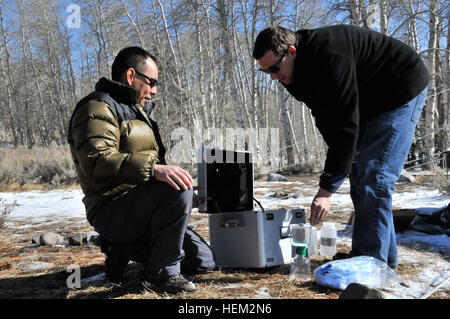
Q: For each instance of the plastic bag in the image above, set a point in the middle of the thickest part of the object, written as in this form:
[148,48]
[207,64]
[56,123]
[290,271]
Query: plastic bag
[364,270]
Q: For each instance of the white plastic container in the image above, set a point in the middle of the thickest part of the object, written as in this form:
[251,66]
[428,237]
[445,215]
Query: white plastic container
[313,249]
[328,236]
[304,234]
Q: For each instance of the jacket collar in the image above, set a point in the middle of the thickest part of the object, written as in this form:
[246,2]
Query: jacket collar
[122,93]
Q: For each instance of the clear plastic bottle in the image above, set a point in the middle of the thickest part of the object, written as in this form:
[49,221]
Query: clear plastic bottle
[311,234]
[304,234]
[328,235]
[300,265]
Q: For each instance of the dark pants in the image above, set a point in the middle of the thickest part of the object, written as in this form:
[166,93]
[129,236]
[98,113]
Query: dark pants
[154,214]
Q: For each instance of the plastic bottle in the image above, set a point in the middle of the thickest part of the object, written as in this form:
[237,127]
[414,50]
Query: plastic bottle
[304,234]
[312,242]
[328,235]
[298,234]
[300,265]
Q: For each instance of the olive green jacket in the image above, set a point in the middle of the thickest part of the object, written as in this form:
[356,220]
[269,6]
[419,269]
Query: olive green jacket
[113,142]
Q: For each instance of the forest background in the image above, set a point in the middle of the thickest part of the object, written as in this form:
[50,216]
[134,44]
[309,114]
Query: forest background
[53,52]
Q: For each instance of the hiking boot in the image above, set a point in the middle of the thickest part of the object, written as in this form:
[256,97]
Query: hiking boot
[115,260]
[173,284]
[339,256]
[359,291]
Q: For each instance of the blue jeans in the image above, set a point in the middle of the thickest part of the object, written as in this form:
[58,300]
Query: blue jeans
[382,149]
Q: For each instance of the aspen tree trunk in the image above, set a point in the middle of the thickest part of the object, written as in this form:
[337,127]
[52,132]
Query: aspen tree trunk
[306,147]
[212,82]
[318,151]
[441,105]
[41,118]
[68,87]
[294,137]
[412,26]
[103,35]
[446,114]
[27,112]
[186,91]
[355,12]
[8,83]
[286,126]
[383,17]
[251,78]
[370,14]
[237,76]
[56,94]
[225,34]
[202,94]
[431,100]
[133,23]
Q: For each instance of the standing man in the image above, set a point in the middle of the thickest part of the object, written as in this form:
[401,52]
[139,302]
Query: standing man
[366,92]
[139,205]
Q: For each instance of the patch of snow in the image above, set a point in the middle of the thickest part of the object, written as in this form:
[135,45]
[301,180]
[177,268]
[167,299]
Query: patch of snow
[262,293]
[40,208]
[98,277]
[234,286]
[45,206]
[412,236]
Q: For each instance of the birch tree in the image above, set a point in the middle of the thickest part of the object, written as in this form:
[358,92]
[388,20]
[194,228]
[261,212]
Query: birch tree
[431,100]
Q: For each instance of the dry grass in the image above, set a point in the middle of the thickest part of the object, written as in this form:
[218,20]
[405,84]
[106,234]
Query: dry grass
[25,169]
[5,210]
[442,180]
[16,251]
[19,282]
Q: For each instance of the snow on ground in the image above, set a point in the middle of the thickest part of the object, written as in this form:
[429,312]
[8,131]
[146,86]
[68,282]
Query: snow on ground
[46,207]
[433,268]
[415,198]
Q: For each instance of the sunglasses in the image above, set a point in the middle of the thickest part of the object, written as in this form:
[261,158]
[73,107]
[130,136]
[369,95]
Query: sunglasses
[276,67]
[152,82]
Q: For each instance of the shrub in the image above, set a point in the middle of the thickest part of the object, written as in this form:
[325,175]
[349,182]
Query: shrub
[51,166]
[441,180]
[5,210]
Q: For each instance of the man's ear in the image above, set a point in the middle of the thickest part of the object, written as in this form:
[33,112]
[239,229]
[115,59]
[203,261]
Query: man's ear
[129,76]
[292,50]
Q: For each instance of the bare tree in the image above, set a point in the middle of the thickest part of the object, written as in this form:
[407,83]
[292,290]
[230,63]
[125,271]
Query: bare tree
[431,100]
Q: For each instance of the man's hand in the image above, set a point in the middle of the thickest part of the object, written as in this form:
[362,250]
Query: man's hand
[320,206]
[175,176]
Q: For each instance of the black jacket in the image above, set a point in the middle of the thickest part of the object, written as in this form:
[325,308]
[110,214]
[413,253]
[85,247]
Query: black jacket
[347,75]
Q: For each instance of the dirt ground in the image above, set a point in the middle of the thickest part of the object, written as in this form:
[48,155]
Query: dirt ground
[19,279]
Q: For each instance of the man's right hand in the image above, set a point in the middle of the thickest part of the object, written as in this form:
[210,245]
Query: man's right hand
[320,206]
[175,176]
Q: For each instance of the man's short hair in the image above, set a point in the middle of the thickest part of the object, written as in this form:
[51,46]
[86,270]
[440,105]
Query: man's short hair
[277,39]
[129,57]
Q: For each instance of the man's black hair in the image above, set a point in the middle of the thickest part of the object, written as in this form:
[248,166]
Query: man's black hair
[132,57]
[277,39]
